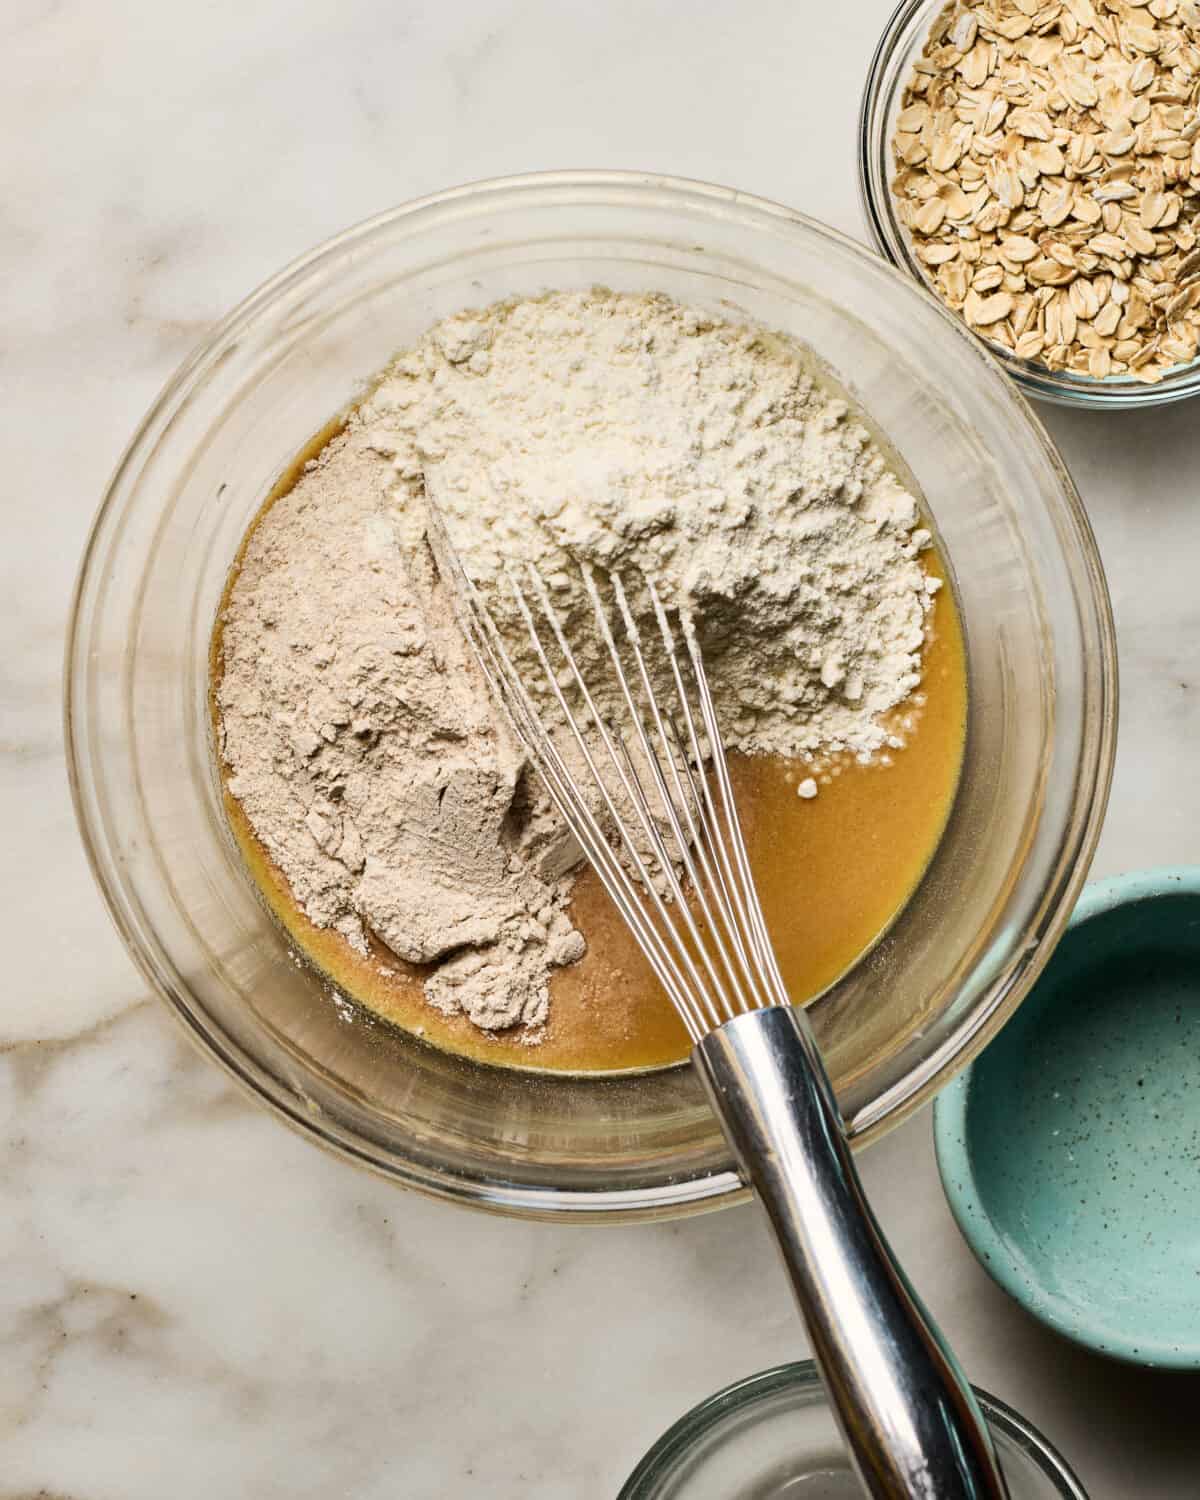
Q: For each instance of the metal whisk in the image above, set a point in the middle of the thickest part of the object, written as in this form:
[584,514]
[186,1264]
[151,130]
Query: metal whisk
[664,838]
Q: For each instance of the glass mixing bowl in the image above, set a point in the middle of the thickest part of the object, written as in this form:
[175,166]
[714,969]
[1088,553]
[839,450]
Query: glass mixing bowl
[902,42]
[1042,665]
[774,1437]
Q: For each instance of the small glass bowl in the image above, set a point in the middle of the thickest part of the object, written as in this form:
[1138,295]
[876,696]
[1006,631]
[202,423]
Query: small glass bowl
[1034,606]
[774,1437]
[903,39]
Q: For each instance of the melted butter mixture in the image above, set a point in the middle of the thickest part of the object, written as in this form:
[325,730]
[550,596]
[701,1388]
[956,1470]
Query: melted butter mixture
[833,872]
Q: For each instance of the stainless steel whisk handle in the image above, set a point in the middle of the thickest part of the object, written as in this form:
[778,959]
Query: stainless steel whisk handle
[909,1418]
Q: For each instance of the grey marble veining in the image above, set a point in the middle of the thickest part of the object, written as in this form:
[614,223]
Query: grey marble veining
[192,1300]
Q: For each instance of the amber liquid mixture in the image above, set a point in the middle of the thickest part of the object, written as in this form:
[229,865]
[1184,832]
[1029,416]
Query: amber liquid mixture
[833,872]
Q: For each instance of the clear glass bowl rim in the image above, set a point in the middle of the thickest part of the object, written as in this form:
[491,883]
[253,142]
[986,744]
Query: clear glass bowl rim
[259,1081]
[802,1376]
[1062,388]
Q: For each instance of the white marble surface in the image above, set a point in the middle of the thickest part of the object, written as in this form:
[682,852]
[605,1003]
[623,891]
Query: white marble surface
[160,159]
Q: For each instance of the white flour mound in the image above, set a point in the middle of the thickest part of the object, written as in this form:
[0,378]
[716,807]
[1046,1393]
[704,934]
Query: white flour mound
[623,430]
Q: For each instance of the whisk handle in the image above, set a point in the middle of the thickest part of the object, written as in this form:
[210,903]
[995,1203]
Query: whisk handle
[909,1418]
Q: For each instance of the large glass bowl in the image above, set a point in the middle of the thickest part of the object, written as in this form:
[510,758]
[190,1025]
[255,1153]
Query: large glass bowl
[774,1437]
[901,44]
[1034,606]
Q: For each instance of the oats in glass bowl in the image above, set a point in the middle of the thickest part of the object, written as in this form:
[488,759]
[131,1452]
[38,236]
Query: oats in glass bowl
[1047,168]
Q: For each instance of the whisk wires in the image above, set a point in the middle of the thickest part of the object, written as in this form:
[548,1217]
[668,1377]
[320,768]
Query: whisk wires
[662,833]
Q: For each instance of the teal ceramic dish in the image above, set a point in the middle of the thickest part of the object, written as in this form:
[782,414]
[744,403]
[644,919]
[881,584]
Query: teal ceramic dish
[1070,1150]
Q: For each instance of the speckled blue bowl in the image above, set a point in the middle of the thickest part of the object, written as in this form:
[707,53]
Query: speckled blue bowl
[1070,1150]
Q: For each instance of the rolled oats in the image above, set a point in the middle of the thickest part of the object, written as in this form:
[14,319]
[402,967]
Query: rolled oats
[1047,159]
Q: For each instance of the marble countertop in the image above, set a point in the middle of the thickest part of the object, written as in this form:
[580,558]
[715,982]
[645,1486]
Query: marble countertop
[161,160]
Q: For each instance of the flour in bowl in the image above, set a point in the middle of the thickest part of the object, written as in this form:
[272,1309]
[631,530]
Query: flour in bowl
[624,430]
